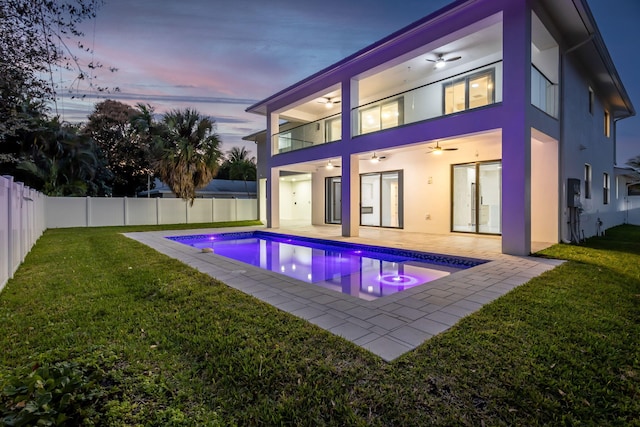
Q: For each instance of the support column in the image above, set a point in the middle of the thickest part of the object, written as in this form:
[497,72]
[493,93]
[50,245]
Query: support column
[273,178]
[516,131]
[350,196]
[350,186]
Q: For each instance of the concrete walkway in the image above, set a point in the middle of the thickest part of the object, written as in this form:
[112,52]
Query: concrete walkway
[389,326]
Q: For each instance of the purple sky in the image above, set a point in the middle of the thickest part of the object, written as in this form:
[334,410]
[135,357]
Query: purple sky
[220,57]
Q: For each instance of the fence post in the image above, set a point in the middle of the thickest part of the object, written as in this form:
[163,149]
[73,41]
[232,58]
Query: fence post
[125,212]
[88,211]
[157,210]
[235,214]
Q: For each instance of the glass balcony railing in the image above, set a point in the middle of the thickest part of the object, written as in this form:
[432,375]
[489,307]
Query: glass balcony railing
[465,91]
[472,89]
[328,129]
[544,93]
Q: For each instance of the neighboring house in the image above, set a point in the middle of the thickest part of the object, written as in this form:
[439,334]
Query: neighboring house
[488,116]
[216,189]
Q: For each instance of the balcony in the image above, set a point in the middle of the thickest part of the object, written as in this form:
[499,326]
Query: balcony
[471,89]
[327,129]
[544,93]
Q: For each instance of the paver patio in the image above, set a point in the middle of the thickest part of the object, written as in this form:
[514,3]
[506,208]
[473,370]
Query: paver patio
[389,326]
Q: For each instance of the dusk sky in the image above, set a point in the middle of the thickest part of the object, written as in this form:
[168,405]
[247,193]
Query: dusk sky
[222,56]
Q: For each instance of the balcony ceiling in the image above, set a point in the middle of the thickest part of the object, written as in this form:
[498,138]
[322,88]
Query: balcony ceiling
[413,70]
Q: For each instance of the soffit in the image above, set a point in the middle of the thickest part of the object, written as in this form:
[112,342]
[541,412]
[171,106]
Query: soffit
[583,42]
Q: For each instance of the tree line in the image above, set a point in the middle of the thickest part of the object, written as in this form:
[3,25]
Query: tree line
[119,147]
[118,150]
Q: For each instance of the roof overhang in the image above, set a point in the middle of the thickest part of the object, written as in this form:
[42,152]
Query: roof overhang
[261,106]
[584,42]
[581,38]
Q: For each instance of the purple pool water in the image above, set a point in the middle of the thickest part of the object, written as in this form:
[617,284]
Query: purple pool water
[362,271]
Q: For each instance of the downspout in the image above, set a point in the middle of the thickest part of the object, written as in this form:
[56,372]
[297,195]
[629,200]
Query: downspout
[561,148]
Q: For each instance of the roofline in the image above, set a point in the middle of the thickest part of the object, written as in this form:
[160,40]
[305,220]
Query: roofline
[581,7]
[368,50]
[585,12]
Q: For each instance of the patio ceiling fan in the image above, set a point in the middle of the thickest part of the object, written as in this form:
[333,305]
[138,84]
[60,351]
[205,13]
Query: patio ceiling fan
[375,158]
[329,102]
[440,61]
[439,150]
[330,165]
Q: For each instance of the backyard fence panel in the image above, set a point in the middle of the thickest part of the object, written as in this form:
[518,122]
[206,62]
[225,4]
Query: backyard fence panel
[66,212]
[633,210]
[224,210]
[142,211]
[106,211]
[201,211]
[247,209]
[172,211]
[15,227]
[4,231]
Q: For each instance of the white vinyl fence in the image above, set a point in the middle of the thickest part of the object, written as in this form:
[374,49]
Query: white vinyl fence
[21,224]
[633,210]
[97,212]
[26,213]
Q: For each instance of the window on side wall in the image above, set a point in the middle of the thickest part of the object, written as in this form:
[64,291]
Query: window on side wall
[607,124]
[473,91]
[587,181]
[606,185]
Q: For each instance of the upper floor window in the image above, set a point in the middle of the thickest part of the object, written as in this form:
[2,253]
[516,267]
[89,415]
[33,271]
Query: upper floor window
[607,124]
[382,116]
[472,91]
[592,100]
[606,188]
[587,181]
[333,129]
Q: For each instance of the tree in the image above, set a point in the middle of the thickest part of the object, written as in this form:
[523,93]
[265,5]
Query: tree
[634,163]
[38,38]
[63,161]
[238,165]
[123,133]
[186,152]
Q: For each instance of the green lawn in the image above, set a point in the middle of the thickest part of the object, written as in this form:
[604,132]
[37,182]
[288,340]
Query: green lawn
[167,345]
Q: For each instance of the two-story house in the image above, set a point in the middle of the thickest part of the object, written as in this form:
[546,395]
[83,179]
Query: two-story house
[487,116]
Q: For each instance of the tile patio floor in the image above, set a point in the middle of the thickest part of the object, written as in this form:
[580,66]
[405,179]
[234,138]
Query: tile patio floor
[389,326]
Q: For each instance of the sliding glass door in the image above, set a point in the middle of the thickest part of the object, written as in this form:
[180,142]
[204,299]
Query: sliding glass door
[477,197]
[333,193]
[381,199]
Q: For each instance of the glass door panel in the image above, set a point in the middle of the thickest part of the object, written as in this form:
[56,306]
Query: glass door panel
[391,188]
[490,197]
[477,198]
[333,209]
[480,91]
[464,198]
[370,200]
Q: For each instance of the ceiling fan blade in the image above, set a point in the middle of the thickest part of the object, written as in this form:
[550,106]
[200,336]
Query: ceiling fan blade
[455,58]
[449,149]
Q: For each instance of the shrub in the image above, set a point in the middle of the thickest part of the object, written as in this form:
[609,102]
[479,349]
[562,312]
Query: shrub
[58,394]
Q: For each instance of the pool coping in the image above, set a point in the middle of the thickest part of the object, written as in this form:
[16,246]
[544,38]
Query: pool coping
[389,326]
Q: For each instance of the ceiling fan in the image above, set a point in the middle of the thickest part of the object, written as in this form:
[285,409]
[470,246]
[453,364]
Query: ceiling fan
[440,61]
[329,102]
[330,165]
[439,150]
[375,158]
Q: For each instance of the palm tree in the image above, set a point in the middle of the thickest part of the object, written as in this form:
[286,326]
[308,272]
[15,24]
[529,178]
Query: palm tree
[186,152]
[241,166]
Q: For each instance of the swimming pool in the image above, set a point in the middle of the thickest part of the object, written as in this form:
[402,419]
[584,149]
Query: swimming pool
[364,271]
